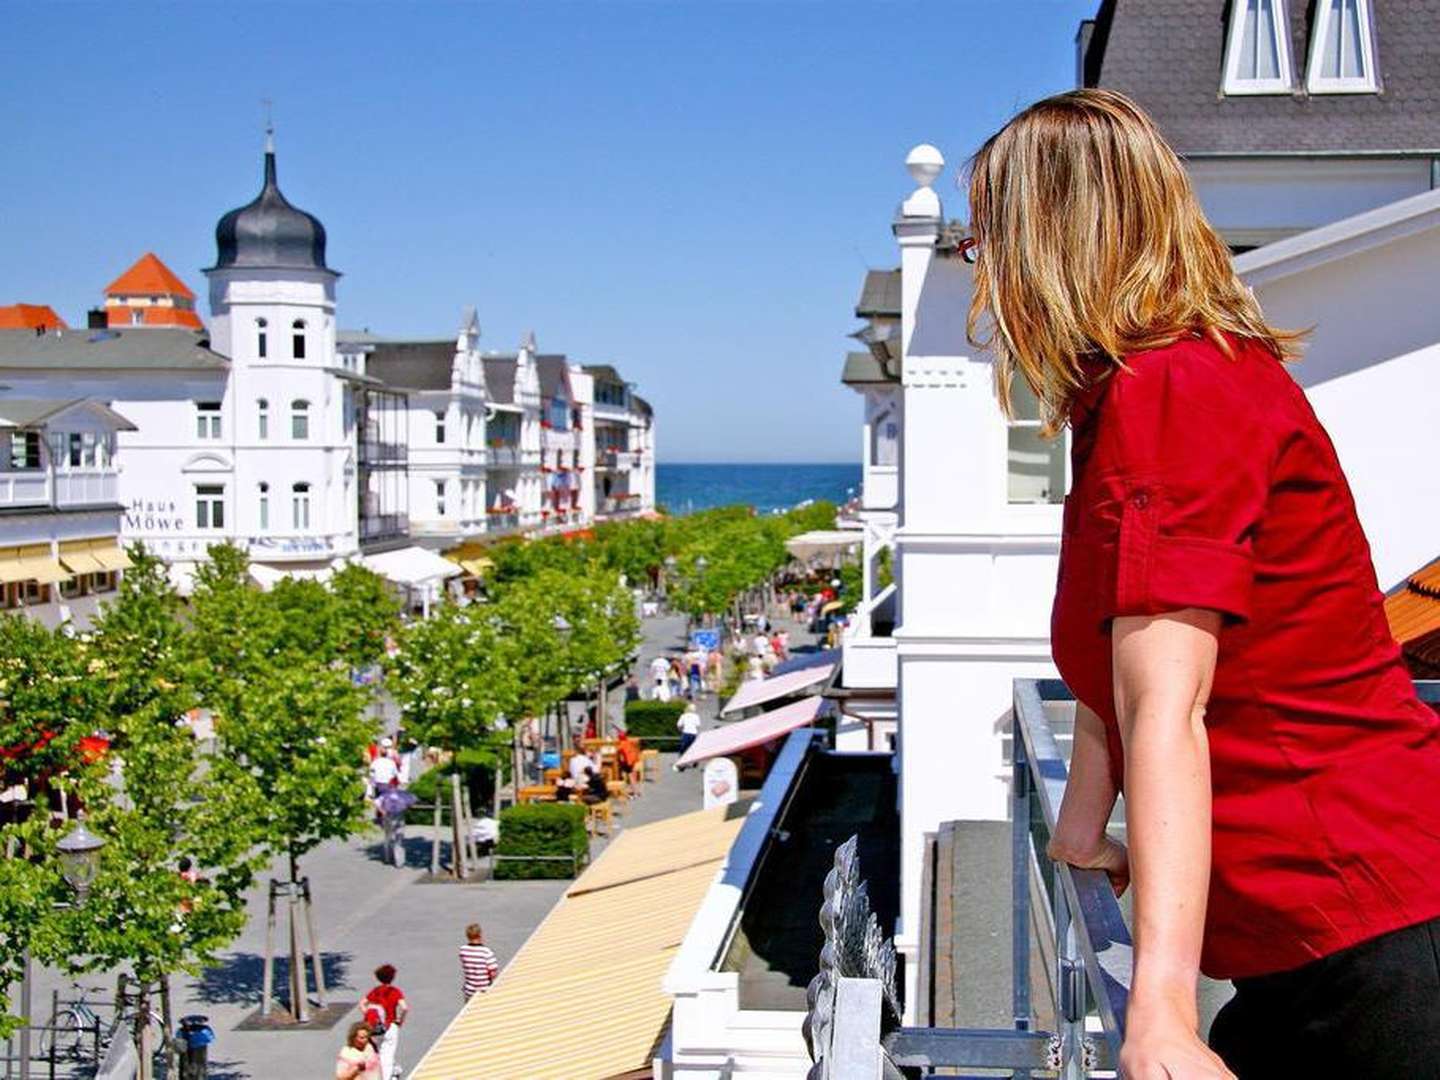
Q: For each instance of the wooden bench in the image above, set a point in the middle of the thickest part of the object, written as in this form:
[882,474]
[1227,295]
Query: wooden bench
[619,794]
[650,764]
[536,793]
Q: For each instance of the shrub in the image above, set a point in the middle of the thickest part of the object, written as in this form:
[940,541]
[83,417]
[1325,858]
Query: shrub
[653,722]
[549,829]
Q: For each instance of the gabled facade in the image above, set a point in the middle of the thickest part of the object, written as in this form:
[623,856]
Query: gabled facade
[37,317]
[564,430]
[1290,114]
[515,484]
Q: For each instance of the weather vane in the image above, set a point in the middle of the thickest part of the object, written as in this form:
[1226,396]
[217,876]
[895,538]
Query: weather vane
[267,104]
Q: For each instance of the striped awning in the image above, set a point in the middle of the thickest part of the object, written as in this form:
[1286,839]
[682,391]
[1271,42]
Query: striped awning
[605,946]
[77,557]
[32,562]
[110,555]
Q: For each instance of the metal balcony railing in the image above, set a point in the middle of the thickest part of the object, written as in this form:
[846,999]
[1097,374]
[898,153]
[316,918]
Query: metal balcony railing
[853,1025]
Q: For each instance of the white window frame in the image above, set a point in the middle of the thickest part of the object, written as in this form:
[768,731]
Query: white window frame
[1234,85]
[439,427]
[1368,83]
[440,498]
[297,339]
[300,506]
[264,506]
[261,340]
[300,418]
[210,507]
[207,420]
[1060,447]
[262,412]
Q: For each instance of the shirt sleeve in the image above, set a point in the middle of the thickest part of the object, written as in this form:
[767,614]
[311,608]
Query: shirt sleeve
[1184,462]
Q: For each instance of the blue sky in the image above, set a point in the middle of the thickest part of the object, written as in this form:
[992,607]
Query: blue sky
[689,190]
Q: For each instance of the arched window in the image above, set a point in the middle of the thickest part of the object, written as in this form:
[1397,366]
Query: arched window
[300,419]
[264,506]
[439,427]
[298,338]
[262,412]
[260,325]
[439,498]
[300,506]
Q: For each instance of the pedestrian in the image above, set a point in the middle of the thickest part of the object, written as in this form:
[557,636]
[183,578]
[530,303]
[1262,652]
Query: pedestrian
[391,805]
[714,671]
[688,725]
[358,1059]
[1218,619]
[384,768]
[385,1007]
[478,966]
[632,689]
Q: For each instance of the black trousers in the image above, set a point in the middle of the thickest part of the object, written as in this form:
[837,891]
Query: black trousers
[1369,1012]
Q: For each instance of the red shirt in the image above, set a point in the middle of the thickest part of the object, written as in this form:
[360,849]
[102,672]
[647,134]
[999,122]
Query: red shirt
[388,997]
[1205,481]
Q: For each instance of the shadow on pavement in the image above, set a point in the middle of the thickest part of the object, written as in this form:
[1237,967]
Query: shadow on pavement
[417,853]
[239,978]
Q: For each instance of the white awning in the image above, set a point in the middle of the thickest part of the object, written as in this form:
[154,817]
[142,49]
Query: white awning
[743,734]
[267,576]
[759,691]
[824,542]
[411,566]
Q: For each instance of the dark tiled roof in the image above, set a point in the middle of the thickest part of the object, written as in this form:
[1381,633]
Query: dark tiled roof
[641,405]
[1168,55]
[500,378]
[413,365]
[604,373]
[880,296]
[152,347]
[554,372]
[862,367]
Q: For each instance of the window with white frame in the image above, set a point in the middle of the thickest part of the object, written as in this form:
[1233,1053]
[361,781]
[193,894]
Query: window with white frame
[297,339]
[300,506]
[209,506]
[262,415]
[439,427]
[207,419]
[300,419]
[1257,48]
[260,338]
[1035,466]
[439,498]
[264,503]
[1342,49]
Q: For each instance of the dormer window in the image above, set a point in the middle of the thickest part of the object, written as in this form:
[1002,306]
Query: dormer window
[260,325]
[298,338]
[1342,49]
[1257,49]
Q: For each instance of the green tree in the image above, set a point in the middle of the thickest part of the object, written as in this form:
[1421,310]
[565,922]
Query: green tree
[368,613]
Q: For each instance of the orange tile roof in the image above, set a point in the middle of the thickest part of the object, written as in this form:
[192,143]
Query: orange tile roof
[119,316]
[30,316]
[1413,610]
[149,275]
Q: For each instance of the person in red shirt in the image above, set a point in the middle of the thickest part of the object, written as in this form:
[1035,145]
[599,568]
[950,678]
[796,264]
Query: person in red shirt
[385,1009]
[1218,618]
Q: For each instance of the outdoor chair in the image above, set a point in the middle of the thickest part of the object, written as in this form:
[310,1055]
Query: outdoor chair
[596,814]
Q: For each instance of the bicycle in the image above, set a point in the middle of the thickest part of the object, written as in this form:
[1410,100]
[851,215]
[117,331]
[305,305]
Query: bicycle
[71,1031]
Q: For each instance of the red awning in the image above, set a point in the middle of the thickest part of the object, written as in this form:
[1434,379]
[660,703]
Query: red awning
[743,734]
[759,691]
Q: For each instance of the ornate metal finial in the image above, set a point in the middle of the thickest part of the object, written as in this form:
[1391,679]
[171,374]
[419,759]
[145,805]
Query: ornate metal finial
[268,106]
[854,948]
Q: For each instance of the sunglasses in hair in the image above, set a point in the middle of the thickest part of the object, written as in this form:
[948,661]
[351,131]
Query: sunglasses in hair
[969,249]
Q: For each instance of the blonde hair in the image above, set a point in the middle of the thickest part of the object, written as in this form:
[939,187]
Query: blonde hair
[1090,242]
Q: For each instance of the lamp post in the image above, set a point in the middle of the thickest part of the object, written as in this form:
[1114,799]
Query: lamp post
[79,851]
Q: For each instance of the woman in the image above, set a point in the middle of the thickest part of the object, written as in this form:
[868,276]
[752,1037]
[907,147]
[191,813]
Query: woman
[1218,618]
[358,1058]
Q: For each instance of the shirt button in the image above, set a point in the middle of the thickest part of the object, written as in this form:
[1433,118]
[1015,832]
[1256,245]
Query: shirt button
[1140,500]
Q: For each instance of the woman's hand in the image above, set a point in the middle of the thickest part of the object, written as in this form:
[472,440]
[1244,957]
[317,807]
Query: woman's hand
[1161,1044]
[1106,854]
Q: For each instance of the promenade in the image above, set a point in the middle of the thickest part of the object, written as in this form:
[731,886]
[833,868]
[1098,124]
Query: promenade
[368,913]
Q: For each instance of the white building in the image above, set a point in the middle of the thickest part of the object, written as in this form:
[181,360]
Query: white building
[624,437]
[444,383]
[59,505]
[516,487]
[567,440]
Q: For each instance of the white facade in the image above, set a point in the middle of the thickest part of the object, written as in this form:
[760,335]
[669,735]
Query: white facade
[624,438]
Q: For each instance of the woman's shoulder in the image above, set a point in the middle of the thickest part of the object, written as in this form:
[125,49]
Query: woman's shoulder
[1197,371]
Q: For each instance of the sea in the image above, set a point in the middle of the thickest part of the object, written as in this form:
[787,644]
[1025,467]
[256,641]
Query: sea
[686,488]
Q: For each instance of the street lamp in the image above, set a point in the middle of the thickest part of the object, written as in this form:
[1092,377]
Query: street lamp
[80,858]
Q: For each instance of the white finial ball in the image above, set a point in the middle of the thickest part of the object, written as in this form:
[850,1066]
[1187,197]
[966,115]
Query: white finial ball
[924,164]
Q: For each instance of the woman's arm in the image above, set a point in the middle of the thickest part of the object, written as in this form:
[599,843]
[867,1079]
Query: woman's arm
[1080,838]
[1164,666]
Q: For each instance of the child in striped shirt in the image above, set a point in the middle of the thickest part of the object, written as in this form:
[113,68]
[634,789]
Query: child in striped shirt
[478,966]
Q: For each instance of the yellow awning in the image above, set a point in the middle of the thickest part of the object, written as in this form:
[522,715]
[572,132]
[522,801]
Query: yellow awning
[110,555]
[76,556]
[10,565]
[607,943]
[477,567]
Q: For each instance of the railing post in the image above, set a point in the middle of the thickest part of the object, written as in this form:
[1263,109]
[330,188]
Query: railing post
[1020,877]
[1070,992]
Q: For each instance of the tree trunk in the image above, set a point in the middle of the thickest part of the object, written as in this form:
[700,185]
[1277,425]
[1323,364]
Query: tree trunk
[435,837]
[457,850]
[145,1069]
[299,1010]
[515,765]
[471,857]
[167,1021]
[602,724]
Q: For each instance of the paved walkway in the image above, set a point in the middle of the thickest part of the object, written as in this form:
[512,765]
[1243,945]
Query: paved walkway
[368,913]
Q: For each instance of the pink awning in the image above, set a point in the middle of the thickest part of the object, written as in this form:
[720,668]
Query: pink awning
[758,730]
[759,691]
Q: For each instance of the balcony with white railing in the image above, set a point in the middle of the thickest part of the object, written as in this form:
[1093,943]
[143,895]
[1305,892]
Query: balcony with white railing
[552,439]
[63,490]
[614,457]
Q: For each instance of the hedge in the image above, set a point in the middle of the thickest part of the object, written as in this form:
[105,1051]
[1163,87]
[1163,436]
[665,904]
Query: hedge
[547,829]
[478,769]
[653,721]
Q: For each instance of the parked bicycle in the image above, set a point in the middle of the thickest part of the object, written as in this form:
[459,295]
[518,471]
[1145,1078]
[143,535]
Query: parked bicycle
[77,1033]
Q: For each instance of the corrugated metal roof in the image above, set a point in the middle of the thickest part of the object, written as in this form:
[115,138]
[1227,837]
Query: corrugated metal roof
[157,347]
[603,950]
[880,295]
